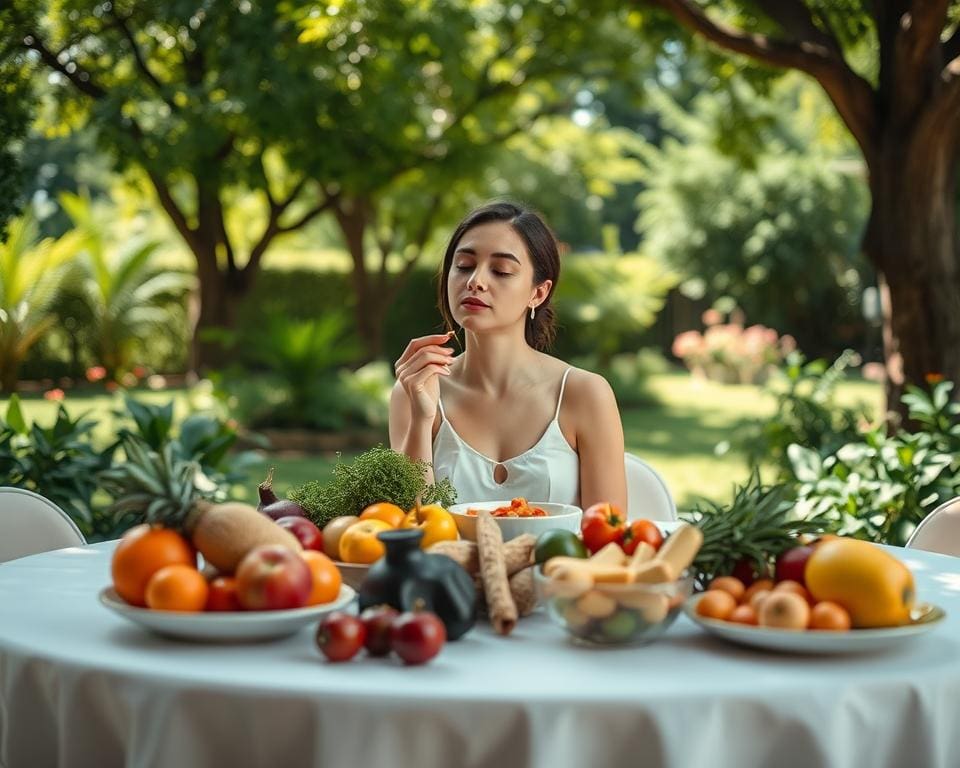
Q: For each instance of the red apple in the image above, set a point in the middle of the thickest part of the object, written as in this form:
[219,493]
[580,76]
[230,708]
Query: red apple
[378,620]
[417,636]
[309,536]
[793,563]
[272,577]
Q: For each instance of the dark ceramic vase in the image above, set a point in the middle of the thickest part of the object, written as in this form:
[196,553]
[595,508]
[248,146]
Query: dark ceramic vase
[408,578]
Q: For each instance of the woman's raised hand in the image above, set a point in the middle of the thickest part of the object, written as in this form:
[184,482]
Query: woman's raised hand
[417,370]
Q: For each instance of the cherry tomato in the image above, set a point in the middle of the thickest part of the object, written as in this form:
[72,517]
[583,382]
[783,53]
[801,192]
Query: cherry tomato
[641,530]
[417,636]
[379,623]
[601,524]
[340,636]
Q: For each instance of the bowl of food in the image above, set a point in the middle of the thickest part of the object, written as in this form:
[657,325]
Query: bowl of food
[607,614]
[516,517]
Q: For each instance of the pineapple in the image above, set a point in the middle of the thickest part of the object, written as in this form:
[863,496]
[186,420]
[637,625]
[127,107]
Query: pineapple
[756,528]
[161,489]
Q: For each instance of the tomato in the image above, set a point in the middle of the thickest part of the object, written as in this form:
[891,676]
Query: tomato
[359,543]
[601,524]
[340,636]
[223,595]
[641,530]
[418,636]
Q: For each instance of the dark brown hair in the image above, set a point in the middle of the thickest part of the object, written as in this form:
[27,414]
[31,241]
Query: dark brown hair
[544,253]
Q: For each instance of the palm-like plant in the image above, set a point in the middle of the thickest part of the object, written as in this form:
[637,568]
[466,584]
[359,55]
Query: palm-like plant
[31,274]
[123,292]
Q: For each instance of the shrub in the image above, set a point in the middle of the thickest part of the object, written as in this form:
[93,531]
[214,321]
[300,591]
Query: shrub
[731,353]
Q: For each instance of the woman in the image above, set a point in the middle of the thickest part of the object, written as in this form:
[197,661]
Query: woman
[503,419]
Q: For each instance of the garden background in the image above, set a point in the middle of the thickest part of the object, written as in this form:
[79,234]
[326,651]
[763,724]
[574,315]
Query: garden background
[223,221]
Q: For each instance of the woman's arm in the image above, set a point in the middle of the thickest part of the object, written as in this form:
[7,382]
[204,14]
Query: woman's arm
[599,440]
[413,402]
[413,439]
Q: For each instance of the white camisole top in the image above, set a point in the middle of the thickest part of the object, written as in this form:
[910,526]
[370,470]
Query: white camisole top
[547,472]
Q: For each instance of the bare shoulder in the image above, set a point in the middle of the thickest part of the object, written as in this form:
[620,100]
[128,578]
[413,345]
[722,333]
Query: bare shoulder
[588,391]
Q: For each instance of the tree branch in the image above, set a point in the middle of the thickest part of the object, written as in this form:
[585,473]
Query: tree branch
[852,96]
[797,19]
[138,57]
[79,77]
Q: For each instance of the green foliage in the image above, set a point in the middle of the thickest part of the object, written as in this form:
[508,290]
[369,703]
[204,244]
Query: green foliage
[58,462]
[125,297]
[289,374]
[376,475]
[63,463]
[602,298]
[806,413]
[777,231]
[16,106]
[201,438]
[879,487]
[31,273]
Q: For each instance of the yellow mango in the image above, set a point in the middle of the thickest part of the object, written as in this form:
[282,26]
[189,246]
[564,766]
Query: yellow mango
[876,589]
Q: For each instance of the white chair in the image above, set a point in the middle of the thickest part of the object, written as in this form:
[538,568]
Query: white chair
[940,530]
[30,524]
[647,494]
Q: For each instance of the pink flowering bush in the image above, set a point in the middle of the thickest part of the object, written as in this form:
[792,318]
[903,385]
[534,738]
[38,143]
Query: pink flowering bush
[731,353]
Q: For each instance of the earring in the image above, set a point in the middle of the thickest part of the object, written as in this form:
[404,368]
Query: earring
[532,312]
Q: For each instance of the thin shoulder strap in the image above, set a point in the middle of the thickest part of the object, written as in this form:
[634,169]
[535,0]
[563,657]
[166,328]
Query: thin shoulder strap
[443,414]
[563,383]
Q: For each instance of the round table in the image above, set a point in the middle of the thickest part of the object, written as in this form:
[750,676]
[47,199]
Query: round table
[80,686]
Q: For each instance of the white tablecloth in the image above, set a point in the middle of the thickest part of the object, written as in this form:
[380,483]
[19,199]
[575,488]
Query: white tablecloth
[79,686]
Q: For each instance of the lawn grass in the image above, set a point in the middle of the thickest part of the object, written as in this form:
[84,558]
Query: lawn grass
[677,434]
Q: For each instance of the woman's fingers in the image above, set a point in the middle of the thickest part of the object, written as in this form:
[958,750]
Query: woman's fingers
[422,358]
[418,380]
[424,341]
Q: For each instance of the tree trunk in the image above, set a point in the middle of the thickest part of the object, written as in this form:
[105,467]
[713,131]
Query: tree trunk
[912,241]
[219,297]
[354,216]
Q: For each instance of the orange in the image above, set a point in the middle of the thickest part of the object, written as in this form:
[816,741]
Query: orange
[743,614]
[436,523]
[326,577]
[142,552]
[875,588]
[391,514]
[827,615]
[760,585]
[716,604]
[359,543]
[177,588]
[729,584]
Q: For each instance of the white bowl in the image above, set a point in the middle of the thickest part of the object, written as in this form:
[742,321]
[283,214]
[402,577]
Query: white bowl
[565,516]
[226,626]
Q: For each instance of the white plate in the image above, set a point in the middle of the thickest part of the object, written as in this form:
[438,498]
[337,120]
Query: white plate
[565,516]
[925,618]
[225,626]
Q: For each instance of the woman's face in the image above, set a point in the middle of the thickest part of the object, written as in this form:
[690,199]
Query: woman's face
[490,283]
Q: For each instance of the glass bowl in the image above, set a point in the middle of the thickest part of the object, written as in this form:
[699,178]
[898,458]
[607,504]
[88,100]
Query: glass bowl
[614,614]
